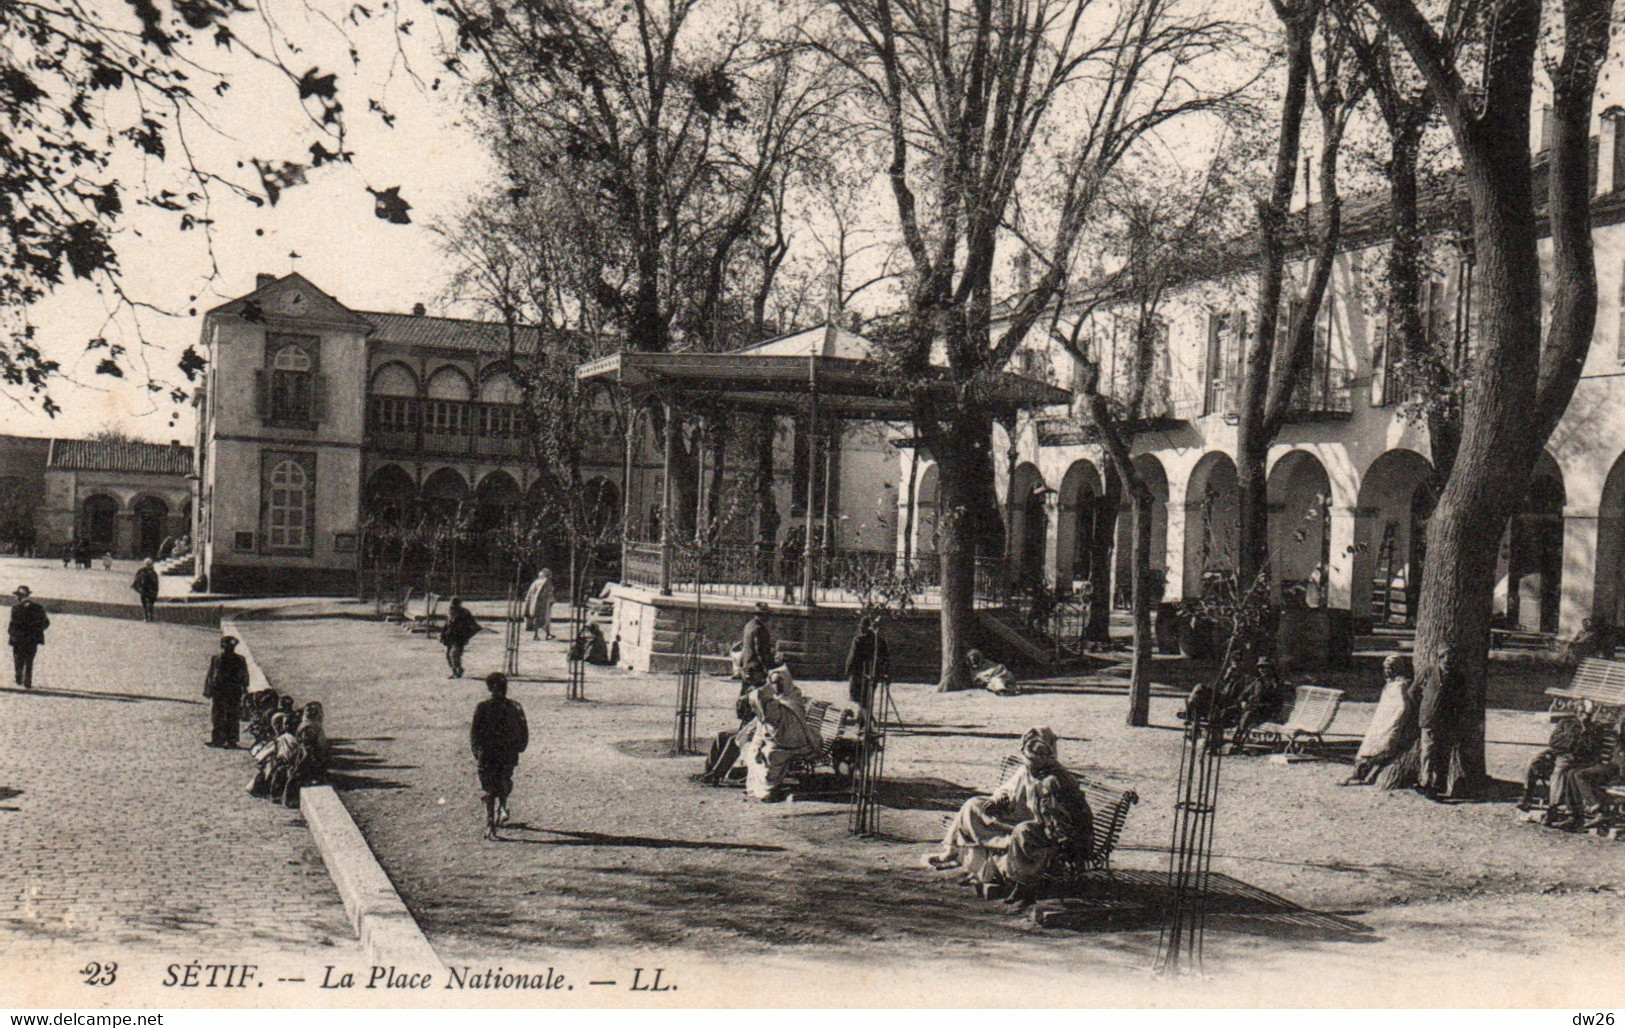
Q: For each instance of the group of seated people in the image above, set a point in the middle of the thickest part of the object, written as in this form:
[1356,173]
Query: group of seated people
[1250,693]
[1576,767]
[1006,842]
[290,747]
[773,734]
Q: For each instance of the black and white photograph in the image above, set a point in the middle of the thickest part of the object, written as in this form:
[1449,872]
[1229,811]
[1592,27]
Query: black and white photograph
[666,505]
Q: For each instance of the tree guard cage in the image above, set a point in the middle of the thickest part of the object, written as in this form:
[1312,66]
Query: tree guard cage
[514,625]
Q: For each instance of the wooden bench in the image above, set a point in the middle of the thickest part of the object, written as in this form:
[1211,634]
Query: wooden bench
[1110,809]
[1601,681]
[1314,708]
[828,722]
[394,611]
[431,620]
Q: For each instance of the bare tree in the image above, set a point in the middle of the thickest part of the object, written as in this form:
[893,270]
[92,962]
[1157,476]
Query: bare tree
[963,94]
[1165,232]
[1517,386]
[1275,354]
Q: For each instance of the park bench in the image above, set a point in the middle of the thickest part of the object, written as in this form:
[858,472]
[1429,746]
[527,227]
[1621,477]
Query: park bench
[431,620]
[1314,708]
[829,723]
[1110,808]
[1601,681]
[394,611]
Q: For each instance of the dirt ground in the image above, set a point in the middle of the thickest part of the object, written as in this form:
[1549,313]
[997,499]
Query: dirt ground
[616,851]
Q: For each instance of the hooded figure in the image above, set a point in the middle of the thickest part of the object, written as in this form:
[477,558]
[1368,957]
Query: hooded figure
[539,604]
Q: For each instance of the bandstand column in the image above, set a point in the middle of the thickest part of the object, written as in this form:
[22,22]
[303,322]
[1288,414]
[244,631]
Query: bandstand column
[807,550]
[665,500]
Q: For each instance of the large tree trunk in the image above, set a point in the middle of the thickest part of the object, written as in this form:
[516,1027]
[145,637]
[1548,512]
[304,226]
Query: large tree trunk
[1515,392]
[1140,502]
[965,499]
[1498,449]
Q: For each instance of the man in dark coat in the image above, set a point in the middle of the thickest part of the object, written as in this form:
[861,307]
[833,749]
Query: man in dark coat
[497,736]
[146,587]
[225,685]
[756,649]
[26,633]
[868,660]
[460,628]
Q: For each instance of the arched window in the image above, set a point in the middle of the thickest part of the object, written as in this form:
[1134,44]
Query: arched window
[288,512]
[291,383]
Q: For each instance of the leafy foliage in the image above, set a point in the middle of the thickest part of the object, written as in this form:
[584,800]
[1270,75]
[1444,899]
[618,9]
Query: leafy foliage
[90,93]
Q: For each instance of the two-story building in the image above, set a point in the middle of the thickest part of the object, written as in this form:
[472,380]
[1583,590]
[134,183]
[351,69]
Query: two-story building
[1351,477]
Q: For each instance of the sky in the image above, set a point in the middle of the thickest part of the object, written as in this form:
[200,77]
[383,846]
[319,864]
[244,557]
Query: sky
[437,161]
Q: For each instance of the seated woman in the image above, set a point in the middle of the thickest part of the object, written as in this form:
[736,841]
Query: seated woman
[778,736]
[1394,726]
[995,678]
[268,754]
[727,746]
[261,706]
[1573,742]
[1009,838]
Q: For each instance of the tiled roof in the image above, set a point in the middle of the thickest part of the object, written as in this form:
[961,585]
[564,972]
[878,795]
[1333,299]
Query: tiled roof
[453,333]
[95,455]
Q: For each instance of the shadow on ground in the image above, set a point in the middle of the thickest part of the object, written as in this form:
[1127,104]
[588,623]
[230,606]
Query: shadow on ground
[1130,900]
[352,768]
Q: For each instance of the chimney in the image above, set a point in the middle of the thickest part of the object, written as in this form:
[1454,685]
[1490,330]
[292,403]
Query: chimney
[1610,166]
[262,280]
[174,444]
[1548,128]
[1024,272]
[418,310]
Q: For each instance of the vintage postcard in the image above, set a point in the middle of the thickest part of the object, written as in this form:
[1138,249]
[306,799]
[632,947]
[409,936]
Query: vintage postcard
[672,504]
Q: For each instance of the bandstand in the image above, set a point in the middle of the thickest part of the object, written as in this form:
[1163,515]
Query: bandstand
[814,584]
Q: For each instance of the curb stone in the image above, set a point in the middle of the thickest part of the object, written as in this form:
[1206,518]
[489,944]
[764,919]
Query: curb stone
[386,929]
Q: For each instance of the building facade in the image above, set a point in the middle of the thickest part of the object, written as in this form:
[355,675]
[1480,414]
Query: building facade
[314,415]
[123,498]
[1351,477]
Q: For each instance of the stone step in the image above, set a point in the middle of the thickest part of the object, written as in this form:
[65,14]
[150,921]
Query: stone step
[672,663]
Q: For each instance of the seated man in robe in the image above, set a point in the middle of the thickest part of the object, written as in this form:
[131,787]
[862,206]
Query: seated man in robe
[1009,839]
[995,678]
[1573,742]
[778,736]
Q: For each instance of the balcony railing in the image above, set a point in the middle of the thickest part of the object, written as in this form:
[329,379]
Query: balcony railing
[451,427]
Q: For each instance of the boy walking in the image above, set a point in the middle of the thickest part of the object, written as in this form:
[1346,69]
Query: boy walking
[497,737]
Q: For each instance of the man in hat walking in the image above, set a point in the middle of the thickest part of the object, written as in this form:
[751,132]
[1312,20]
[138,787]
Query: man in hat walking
[26,633]
[497,736]
[225,685]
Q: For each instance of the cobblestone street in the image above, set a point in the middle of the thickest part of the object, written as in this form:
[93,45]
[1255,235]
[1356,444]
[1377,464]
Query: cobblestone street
[120,829]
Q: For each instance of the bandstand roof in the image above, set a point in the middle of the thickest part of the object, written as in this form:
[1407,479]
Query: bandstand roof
[757,379]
